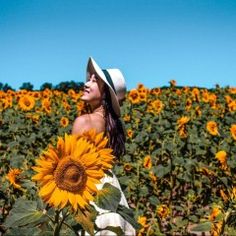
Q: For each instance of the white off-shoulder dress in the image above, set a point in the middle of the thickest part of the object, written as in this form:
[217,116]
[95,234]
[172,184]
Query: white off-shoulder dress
[107,218]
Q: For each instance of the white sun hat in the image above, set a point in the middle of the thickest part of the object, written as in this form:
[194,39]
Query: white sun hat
[113,78]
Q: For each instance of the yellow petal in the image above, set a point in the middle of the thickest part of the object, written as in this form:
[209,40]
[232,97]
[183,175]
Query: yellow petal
[67,145]
[89,159]
[47,189]
[82,146]
[61,146]
[45,164]
[37,177]
[95,173]
[90,184]
[87,195]
[81,201]
[72,199]
[64,198]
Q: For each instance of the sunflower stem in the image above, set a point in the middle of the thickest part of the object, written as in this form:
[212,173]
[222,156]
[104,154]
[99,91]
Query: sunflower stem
[58,224]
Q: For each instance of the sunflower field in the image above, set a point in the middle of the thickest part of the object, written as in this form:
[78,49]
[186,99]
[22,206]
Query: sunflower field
[178,173]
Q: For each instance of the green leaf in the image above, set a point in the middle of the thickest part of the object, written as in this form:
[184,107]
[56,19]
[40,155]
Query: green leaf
[161,170]
[128,215]
[24,212]
[25,231]
[108,197]
[154,200]
[203,227]
[224,180]
[117,230]
[124,180]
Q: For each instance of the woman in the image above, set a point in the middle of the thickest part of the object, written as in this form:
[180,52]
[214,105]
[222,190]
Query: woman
[103,92]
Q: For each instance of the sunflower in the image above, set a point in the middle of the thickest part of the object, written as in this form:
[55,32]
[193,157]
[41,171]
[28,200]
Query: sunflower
[68,173]
[214,213]
[127,118]
[152,177]
[198,111]
[232,106]
[216,228]
[46,105]
[26,102]
[80,106]
[221,156]
[46,93]
[172,83]
[147,162]
[142,220]
[182,121]
[127,167]
[233,131]
[155,106]
[195,94]
[71,93]
[64,121]
[143,92]
[155,91]
[233,193]
[133,96]
[205,96]
[130,133]
[181,126]
[223,195]
[34,117]
[36,95]
[185,89]
[4,104]
[188,104]
[183,131]
[13,177]
[232,90]
[163,211]
[212,128]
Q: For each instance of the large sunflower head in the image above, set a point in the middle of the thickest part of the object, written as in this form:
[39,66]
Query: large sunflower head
[68,173]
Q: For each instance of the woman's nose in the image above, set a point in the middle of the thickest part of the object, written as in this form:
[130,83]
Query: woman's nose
[86,85]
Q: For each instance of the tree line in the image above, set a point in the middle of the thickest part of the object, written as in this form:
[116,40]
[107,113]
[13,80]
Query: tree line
[62,86]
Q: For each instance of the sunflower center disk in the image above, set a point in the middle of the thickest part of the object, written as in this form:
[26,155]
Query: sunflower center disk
[70,175]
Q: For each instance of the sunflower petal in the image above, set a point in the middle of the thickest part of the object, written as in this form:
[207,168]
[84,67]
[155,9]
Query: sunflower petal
[47,189]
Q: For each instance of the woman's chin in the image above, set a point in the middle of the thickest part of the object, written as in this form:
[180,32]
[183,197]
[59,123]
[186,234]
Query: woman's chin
[84,98]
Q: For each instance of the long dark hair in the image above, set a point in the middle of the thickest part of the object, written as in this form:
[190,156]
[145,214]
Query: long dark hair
[113,126]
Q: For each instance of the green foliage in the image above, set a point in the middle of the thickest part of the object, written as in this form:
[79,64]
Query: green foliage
[172,179]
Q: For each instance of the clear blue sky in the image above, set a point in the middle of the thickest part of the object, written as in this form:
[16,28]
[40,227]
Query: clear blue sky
[151,41]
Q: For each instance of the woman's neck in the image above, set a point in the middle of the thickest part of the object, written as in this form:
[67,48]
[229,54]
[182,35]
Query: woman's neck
[99,110]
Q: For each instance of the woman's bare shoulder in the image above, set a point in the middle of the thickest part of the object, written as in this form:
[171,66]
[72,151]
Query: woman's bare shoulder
[88,121]
[81,124]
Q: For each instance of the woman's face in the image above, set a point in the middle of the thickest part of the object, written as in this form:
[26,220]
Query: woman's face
[93,91]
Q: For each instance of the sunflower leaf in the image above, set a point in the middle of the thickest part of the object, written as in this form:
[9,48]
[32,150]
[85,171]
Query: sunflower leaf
[24,212]
[25,231]
[108,197]
[128,215]
[117,230]
[203,227]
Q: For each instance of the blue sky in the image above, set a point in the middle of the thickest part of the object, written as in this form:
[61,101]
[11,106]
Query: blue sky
[151,41]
